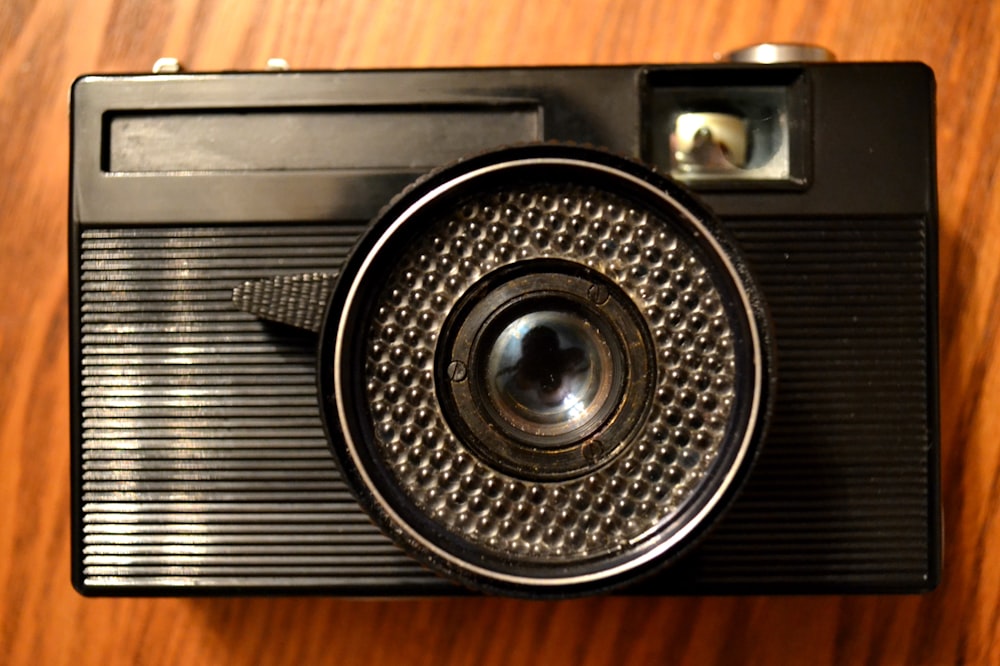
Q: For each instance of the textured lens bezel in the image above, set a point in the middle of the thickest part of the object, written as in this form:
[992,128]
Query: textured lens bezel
[344,414]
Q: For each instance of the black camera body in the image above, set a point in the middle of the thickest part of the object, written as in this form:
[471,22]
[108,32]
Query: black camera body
[200,460]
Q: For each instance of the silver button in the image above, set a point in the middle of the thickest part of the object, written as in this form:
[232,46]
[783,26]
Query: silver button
[767,54]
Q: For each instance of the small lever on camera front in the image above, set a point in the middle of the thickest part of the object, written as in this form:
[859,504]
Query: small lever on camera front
[296,300]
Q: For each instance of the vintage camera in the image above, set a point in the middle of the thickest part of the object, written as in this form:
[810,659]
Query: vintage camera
[539,331]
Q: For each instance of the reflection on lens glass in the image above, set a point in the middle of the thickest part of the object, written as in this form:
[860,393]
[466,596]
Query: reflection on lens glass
[549,373]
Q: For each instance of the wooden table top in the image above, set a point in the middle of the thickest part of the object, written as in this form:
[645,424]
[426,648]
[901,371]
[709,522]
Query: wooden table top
[45,44]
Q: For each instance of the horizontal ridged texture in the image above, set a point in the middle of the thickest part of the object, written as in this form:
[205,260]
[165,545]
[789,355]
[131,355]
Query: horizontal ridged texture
[204,461]
[839,498]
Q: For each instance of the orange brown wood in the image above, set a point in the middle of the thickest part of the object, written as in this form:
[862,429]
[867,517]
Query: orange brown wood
[44,44]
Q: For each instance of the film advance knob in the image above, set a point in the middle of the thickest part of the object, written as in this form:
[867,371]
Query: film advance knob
[768,54]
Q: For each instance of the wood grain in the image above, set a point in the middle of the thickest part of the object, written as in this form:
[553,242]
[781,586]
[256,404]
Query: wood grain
[44,44]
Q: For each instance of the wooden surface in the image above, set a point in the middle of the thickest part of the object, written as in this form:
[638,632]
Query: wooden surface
[45,44]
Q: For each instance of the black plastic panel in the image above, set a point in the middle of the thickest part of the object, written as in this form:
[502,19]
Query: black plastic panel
[840,499]
[222,477]
[203,460]
[349,139]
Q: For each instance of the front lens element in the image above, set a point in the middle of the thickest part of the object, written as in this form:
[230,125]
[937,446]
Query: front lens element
[553,389]
[550,374]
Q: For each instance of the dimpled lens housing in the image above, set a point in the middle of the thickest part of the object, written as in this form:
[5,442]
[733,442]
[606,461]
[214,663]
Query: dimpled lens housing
[650,411]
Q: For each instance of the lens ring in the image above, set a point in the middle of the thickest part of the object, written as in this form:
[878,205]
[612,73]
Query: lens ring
[711,340]
[484,410]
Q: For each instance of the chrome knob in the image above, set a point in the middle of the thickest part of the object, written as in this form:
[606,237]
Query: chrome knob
[768,54]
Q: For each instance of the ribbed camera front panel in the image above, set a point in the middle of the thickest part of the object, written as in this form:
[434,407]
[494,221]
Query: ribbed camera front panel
[842,498]
[203,461]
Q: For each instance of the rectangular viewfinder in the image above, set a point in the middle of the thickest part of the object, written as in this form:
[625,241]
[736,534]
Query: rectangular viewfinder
[394,138]
[727,129]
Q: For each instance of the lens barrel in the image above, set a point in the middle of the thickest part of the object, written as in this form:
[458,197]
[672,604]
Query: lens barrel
[545,370]
[551,386]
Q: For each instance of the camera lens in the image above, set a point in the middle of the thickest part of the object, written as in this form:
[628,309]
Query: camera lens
[548,378]
[550,374]
[545,371]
